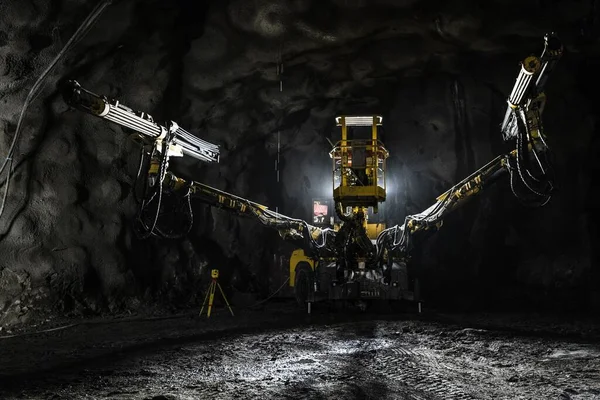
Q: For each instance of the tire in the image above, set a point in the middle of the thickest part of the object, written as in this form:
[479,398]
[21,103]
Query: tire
[303,283]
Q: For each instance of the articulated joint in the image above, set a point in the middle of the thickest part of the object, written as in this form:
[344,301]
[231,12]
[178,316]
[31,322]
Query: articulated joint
[167,135]
[552,45]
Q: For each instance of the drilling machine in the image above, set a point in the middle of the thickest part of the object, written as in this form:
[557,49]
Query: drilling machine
[355,260]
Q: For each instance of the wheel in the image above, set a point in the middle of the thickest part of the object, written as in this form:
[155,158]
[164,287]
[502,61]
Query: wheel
[303,283]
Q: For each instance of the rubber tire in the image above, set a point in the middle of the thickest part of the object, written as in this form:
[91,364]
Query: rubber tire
[303,283]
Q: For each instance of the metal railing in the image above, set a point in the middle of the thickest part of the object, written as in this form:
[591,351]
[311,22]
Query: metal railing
[359,163]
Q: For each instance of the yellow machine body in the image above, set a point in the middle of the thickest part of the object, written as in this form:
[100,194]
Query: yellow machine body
[358,179]
[373,230]
[359,184]
[359,165]
[296,258]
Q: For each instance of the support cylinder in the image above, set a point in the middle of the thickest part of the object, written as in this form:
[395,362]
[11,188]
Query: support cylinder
[529,67]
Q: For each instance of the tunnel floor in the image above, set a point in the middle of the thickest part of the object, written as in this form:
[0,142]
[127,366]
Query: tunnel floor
[281,353]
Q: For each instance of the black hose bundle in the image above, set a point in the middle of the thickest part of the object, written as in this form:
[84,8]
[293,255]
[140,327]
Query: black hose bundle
[153,228]
[538,186]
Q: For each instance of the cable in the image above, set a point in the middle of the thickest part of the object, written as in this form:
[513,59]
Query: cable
[189,202]
[102,322]
[434,214]
[81,31]
[271,295]
[547,152]
[522,200]
[5,196]
[304,224]
[190,222]
[523,132]
[161,177]
[137,177]
[135,319]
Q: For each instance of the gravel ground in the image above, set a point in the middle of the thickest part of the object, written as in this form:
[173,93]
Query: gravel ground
[280,353]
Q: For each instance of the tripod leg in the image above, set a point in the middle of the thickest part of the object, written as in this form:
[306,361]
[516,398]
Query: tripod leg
[211,298]
[205,298]
[225,298]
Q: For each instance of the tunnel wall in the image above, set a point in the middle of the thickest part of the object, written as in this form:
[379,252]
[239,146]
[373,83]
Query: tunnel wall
[439,75]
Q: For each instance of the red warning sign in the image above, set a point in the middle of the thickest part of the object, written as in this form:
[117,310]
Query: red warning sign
[320,212]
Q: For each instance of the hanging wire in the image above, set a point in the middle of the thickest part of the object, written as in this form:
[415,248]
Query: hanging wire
[5,196]
[279,73]
[280,66]
[270,296]
[38,85]
[159,191]
[137,176]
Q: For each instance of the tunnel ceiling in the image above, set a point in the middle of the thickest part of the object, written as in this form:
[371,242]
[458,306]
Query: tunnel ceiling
[254,76]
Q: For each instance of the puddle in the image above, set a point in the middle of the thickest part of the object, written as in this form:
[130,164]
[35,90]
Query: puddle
[572,354]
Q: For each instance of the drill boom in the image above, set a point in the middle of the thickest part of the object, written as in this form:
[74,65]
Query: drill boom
[181,141]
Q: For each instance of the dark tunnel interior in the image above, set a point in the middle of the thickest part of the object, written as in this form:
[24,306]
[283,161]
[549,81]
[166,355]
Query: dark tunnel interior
[265,80]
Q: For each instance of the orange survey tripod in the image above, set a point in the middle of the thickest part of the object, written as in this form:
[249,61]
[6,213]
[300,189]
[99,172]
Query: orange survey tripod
[210,295]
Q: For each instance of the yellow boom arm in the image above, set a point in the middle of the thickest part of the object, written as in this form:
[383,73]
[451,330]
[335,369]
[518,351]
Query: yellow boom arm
[527,164]
[288,228]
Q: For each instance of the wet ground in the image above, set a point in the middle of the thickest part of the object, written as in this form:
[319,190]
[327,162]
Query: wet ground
[280,353]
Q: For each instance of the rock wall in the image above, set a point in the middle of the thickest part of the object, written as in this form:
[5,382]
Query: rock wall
[439,74]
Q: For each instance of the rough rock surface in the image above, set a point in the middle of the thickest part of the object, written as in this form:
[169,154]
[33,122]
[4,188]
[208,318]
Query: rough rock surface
[271,353]
[439,73]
